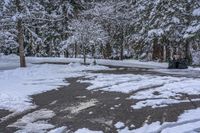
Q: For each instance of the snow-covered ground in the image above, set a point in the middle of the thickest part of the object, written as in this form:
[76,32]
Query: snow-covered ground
[8,62]
[18,84]
[158,91]
[152,91]
[188,122]
[34,122]
[125,63]
[153,66]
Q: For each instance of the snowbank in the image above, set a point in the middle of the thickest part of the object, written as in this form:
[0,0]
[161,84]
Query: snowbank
[124,63]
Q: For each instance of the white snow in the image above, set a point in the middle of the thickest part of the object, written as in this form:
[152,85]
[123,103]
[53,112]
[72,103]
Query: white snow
[188,122]
[155,32]
[81,106]
[119,125]
[124,63]
[190,115]
[123,83]
[58,130]
[150,90]
[34,122]
[8,62]
[14,61]
[191,30]
[196,57]
[185,128]
[196,12]
[18,84]
[158,91]
[152,128]
[39,78]
[85,130]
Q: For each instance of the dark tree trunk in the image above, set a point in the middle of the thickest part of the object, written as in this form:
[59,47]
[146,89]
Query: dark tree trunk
[75,50]
[188,53]
[164,53]
[84,55]
[21,44]
[20,36]
[107,52]
[121,52]
[122,44]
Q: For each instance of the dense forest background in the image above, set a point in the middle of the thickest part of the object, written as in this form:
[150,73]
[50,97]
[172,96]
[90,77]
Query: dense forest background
[110,29]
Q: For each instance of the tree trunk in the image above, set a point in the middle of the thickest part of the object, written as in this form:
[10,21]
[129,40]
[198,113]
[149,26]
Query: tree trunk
[164,53]
[122,45]
[171,52]
[75,50]
[188,53]
[20,36]
[21,44]
[31,44]
[121,52]
[84,55]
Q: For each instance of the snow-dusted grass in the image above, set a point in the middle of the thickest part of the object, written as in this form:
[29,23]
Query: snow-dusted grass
[18,84]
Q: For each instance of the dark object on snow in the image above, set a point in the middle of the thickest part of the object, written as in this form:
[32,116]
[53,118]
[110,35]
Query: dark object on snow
[178,64]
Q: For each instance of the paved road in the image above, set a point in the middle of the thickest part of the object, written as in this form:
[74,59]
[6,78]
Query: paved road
[76,107]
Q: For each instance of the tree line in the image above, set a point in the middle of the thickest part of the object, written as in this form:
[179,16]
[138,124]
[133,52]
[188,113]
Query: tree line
[110,29]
